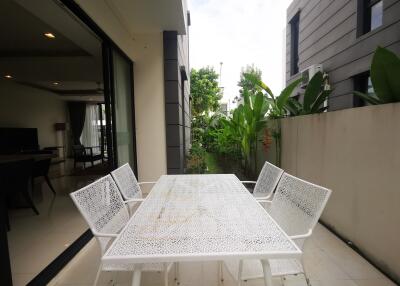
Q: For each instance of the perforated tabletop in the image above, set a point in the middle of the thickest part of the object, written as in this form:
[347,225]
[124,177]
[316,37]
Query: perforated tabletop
[200,218]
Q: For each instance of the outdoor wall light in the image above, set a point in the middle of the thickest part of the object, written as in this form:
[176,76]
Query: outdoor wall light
[56,83]
[50,35]
[8,76]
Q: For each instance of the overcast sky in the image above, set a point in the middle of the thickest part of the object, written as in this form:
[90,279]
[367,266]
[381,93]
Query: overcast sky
[238,33]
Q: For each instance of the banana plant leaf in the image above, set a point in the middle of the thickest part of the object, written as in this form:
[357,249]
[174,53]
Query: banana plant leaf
[312,91]
[370,98]
[293,106]
[285,94]
[385,73]
[320,100]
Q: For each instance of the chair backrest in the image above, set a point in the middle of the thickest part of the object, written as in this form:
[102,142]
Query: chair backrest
[126,182]
[297,204]
[78,150]
[268,179]
[102,206]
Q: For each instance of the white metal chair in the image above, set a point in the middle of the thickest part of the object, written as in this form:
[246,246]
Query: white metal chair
[106,213]
[128,185]
[266,181]
[296,207]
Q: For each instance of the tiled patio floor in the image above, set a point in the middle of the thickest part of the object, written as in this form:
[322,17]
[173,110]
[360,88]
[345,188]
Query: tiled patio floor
[328,262]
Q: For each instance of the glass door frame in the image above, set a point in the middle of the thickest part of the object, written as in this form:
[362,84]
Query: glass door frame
[109,98]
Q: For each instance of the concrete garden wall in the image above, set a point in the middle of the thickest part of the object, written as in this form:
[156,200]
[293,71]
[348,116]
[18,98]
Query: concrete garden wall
[356,153]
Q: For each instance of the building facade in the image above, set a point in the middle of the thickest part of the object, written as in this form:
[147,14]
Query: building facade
[84,79]
[341,36]
[177,107]
[157,43]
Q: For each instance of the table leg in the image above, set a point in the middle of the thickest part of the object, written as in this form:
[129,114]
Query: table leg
[137,274]
[267,272]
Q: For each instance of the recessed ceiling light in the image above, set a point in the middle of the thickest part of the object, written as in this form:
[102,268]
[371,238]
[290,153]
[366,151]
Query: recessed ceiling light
[55,83]
[50,35]
[8,76]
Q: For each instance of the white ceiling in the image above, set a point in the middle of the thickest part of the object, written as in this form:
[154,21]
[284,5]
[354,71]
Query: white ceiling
[150,16]
[73,58]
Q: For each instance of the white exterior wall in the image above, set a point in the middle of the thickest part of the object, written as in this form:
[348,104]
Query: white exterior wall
[146,51]
[354,152]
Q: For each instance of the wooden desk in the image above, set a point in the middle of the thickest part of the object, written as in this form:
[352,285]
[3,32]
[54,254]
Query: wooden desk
[4,159]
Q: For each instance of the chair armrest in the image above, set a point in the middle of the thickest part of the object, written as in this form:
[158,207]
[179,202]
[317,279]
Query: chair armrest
[266,198]
[264,201]
[134,200]
[100,234]
[248,182]
[144,183]
[301,236]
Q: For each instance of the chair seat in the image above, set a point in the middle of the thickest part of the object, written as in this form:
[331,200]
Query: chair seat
[88,158]
[147,267]
[252,269]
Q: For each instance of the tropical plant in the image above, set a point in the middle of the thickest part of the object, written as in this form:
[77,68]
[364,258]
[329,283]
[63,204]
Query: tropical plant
[246,84]
[314,97]
[277,108]
[204,90]
[277,103]
[248,119]
[385,75]
[196,163]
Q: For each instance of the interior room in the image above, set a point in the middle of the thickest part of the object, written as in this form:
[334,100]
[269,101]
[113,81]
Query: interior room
[52,128]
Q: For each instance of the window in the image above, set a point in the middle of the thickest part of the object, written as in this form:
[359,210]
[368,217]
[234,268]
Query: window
[362,83]
[294,44]
[370,15]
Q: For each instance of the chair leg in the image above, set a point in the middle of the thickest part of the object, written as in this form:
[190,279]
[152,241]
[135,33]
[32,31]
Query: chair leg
[49,183]
[307,280]
[28,198]
[177,273]
[32,184]
[97,275]
[240,281]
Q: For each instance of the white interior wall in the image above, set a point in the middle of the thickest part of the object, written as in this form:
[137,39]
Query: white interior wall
[23,106]
[146,51]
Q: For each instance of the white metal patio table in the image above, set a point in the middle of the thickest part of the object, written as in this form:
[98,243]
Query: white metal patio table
[200,218]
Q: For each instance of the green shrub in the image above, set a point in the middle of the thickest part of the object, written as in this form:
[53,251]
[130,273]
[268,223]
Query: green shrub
[196,161]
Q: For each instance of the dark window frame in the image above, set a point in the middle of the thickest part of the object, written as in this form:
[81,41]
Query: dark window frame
[364,9]
[294,43]
[360,82]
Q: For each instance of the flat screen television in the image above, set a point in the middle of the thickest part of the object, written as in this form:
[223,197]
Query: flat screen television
[15,140]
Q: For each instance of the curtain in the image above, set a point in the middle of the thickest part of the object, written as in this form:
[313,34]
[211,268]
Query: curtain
[77,112]
[91,133]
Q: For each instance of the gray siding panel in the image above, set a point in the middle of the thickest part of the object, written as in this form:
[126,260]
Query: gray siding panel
[328,19]
[328,36]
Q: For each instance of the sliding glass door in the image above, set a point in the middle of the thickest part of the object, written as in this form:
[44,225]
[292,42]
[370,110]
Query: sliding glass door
[123,109]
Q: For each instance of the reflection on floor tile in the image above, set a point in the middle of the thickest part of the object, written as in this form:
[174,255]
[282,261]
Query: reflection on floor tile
[36,240]
[328,262]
